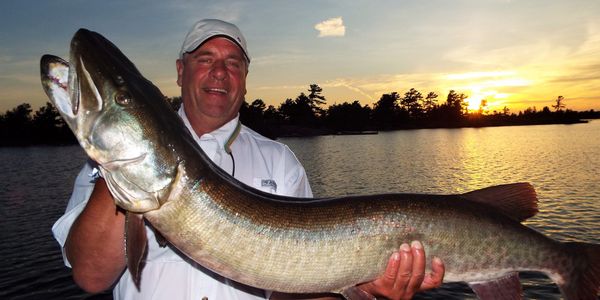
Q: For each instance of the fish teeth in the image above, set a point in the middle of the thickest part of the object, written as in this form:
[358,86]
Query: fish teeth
[58,75]
[57,82]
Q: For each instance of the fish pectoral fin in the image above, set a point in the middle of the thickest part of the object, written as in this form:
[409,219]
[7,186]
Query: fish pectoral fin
[136,243]
[518,201]
[504,288]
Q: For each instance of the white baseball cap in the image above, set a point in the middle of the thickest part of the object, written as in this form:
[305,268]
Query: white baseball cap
[208,28]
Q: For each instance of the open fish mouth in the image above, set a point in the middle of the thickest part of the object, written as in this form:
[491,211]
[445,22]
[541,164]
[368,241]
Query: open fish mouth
[62,85]
[57,79]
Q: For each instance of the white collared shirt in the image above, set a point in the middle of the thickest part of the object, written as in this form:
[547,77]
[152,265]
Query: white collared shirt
[259,162]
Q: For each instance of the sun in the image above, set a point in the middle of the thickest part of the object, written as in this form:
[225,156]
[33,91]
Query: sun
[494,100]
[474,102]
[492,86]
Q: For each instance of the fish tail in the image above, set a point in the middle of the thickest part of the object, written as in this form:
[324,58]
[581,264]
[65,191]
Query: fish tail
[581,279]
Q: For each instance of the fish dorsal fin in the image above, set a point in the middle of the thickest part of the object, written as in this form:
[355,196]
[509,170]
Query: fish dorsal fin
[504,288]
[516,200]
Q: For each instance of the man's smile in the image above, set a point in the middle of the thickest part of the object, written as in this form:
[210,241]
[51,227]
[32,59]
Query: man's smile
[215,91]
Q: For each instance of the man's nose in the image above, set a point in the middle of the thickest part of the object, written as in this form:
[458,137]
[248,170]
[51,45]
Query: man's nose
[219,70]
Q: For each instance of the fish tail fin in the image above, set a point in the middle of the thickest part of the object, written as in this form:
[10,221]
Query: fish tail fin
[581,281]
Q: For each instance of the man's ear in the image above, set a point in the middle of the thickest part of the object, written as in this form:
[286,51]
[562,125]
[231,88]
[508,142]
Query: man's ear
[179,65]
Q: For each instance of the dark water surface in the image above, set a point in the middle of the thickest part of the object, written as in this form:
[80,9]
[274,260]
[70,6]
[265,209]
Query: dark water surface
[35,184]
[561,161]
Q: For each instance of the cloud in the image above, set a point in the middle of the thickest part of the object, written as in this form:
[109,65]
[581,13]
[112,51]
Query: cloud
[331,27]
[369,89]
[350,85]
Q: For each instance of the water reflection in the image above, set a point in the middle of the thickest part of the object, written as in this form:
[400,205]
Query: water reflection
[559,160]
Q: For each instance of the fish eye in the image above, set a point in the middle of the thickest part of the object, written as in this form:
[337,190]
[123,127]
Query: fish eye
[123,98]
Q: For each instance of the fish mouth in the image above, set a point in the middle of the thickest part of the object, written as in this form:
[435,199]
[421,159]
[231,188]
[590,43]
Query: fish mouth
[57,77]
[83,84]
[70,87]
[82,87]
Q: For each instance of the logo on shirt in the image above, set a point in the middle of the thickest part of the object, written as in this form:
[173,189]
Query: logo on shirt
[270,183]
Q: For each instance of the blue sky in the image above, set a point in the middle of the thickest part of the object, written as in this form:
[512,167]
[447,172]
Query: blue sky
[515,53]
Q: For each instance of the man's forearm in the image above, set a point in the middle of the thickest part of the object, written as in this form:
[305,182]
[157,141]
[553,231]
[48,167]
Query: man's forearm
[95,246]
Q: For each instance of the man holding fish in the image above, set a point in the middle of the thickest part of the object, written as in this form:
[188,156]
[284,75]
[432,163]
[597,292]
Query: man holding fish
[211,71]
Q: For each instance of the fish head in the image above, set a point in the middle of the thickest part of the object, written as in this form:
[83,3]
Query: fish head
[118,116]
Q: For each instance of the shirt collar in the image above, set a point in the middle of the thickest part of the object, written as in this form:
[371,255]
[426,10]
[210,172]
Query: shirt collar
[221,134]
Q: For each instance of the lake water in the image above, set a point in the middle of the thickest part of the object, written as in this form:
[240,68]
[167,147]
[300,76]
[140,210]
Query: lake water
[561,161]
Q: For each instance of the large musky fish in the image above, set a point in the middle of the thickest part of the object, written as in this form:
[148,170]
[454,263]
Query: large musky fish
[154,169]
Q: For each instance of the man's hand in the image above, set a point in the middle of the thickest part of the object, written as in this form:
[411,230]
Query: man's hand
[405,274]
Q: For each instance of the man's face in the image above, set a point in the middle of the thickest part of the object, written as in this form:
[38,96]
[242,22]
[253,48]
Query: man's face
[213,80]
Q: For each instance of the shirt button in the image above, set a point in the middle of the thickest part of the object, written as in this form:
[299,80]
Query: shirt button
[204,298]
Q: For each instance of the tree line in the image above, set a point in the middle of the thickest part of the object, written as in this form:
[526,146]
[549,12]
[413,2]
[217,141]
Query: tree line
[307,114]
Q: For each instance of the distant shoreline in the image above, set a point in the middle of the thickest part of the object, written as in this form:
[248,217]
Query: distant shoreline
[287,131]
[299,131]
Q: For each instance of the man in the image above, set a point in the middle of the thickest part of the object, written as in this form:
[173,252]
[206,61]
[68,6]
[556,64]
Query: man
[211,71]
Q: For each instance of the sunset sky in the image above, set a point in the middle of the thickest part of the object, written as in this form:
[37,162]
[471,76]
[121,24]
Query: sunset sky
[514,53]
